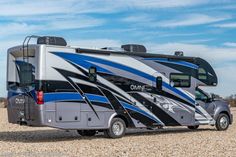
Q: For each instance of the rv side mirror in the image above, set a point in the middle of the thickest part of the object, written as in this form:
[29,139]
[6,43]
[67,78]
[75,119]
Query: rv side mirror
[159,83]
[92,74]
[213,97]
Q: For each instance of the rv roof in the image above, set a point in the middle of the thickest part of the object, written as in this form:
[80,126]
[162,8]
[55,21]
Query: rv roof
[145,55]
[17,51]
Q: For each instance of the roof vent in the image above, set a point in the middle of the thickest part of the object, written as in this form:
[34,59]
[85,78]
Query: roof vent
[134,48]
[179,53]
[52,41]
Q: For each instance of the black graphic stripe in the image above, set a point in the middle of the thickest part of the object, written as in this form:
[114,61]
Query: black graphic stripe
[102,105]
[97,83]
[141,118]
[77,88]
[124,84]
[117,106]
[158,112]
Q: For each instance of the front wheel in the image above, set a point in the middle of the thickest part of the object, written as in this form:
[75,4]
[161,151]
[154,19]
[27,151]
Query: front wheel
[222,122]
[117,128]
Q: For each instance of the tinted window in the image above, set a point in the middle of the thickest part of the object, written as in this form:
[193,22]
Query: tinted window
[202,75]
[26,73]
[180,80]
[200,96]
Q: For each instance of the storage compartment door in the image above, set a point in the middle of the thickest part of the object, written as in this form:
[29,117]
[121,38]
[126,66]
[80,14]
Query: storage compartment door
[67,112]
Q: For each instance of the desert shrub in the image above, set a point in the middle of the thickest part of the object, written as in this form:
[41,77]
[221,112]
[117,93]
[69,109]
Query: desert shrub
[231,100]
[3,102]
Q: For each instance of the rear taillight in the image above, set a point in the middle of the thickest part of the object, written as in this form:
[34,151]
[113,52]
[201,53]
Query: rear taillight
[40,97]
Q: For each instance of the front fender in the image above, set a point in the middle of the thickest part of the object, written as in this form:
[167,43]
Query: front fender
[222,107]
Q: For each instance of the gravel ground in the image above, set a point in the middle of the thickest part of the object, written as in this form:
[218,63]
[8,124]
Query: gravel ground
[19,141]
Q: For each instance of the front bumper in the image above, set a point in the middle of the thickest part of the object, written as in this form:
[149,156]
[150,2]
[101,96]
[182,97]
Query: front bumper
[231,118]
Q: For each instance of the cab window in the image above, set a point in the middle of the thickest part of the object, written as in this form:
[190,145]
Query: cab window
[200,96]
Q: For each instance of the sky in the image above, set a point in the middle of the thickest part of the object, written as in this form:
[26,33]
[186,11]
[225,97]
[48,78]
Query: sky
[202,28]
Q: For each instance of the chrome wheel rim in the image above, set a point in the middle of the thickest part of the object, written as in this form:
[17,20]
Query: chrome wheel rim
[223,122]
[117,128]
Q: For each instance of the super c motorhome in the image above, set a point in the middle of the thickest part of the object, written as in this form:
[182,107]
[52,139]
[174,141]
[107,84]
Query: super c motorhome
[89,90]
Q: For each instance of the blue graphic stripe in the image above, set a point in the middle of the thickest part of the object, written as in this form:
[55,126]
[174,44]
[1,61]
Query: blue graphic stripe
[97,98]
[183,63]
[12,93]
[87,65]
[62,96]
[136,109]
[20,62]
[79,59]
[166,85]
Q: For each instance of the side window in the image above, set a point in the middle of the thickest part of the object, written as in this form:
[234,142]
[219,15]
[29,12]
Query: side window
[202,74]
[92,74]
[180,80]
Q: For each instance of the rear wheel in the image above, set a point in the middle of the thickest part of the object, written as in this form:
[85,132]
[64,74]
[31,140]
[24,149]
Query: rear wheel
[193,127]
[117,128]
[222,122]
[87,132]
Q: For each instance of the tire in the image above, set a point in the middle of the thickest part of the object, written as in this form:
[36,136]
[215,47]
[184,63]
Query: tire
[193,127]
[87,132]
[117,129]
[222,122]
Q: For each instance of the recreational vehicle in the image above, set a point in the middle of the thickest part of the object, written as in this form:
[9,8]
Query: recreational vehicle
[52,84]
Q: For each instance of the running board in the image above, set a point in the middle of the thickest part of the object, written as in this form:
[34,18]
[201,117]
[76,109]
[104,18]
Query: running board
[205,122]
